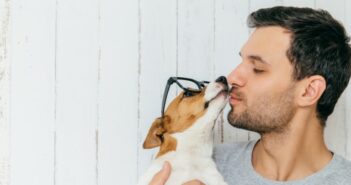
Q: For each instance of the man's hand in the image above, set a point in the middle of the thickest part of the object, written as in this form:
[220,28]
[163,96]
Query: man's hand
[194,182]
[161,177]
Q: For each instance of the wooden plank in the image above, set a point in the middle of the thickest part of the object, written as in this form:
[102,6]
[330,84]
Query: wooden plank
[158,61]
[231,32]
[4,92]
[118,92]
[76,83]
[299,3]
[347,24]
[196,44]
[32,92]
[196,39]
[257,4]
[336,131]
[335,8]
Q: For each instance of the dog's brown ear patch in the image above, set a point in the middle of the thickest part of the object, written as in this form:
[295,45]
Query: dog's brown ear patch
[169,144]
[155,136]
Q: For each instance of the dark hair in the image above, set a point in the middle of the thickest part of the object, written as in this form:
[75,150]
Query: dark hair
[319,46]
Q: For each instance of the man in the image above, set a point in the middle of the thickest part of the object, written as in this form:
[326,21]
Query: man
[294,67]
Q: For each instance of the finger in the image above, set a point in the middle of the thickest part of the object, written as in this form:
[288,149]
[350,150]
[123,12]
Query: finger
[161,177]
[194,182]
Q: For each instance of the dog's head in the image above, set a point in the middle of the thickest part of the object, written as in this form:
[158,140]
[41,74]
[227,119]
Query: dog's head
[184,111]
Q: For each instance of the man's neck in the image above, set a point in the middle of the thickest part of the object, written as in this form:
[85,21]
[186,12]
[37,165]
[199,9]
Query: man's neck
[294,154]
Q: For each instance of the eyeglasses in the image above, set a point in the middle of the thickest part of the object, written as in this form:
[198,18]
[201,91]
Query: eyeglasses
[190,86]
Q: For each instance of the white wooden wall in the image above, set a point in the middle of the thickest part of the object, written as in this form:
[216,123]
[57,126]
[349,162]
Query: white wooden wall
[4,93]
[82,80]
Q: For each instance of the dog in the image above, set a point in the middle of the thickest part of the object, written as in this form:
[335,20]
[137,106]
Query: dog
[184,135]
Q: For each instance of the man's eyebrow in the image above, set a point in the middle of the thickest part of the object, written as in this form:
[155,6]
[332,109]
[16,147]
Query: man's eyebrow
[256,58]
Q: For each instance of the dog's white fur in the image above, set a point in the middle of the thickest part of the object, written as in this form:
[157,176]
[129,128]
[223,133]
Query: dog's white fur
[193,156]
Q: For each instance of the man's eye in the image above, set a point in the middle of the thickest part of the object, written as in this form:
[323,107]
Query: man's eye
[188,94]
[258,70]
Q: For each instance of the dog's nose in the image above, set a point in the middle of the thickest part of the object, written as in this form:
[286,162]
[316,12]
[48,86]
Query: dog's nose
[222,79]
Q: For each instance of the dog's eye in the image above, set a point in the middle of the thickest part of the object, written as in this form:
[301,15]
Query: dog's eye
[188,94]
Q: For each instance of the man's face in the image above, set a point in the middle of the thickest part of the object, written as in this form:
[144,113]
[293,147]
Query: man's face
[262,97]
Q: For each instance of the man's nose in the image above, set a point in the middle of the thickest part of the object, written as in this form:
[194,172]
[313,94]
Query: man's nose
[237,76]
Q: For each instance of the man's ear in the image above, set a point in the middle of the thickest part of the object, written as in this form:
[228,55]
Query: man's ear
[155,136]
[312,89]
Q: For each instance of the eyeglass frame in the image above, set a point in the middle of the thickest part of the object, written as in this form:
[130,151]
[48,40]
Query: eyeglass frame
[171,80]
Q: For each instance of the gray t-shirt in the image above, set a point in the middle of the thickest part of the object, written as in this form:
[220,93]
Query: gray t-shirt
[234,163]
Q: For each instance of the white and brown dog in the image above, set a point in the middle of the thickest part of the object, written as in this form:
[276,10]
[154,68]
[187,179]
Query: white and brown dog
[184,135]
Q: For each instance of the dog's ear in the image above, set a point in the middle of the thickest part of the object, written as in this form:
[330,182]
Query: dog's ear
[155,136]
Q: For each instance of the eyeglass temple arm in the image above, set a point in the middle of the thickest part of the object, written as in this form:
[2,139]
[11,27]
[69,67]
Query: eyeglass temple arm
[165,94]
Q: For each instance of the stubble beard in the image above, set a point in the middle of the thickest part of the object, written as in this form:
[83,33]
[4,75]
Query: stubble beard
[269,115]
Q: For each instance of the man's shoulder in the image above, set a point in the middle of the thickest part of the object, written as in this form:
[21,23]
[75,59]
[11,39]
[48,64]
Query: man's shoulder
[343,168]
[338,172]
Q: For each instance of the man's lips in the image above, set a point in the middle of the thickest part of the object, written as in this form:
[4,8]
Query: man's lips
[235,96]
[234,99]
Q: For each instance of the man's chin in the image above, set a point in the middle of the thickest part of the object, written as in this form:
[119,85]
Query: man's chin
[243,122]
[232,118]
